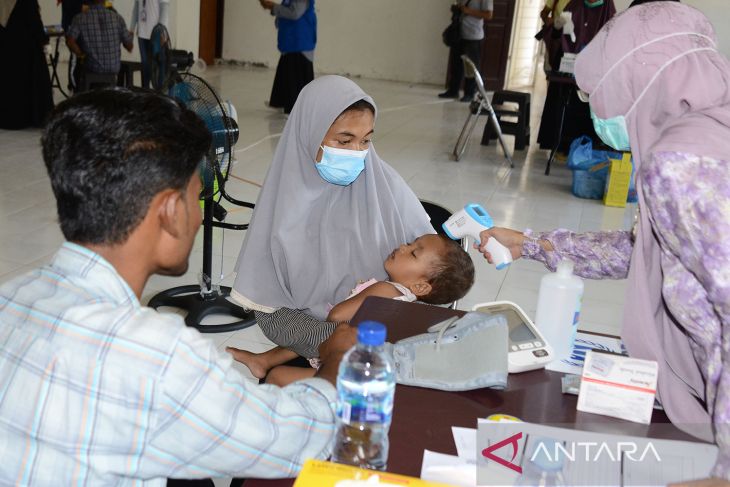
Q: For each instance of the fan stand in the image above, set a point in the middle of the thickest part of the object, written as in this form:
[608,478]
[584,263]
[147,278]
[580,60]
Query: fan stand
[203,300]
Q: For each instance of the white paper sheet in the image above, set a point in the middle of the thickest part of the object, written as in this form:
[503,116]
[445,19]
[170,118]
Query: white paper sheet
[466,443]
[449,469]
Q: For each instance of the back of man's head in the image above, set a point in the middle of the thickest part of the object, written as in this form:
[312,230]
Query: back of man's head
[109,152]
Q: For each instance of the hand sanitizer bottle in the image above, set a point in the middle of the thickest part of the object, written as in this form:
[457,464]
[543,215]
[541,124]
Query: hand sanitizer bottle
[558,308]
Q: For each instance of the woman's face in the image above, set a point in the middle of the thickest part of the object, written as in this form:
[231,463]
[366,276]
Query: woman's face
[352,130]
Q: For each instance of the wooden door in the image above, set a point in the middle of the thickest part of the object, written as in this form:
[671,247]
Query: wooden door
[495,50]
[211,30]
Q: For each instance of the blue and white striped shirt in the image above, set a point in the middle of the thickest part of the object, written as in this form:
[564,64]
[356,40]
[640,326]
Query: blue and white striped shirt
[96,389]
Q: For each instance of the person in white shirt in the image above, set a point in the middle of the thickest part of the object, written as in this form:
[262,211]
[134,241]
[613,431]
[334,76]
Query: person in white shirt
[146,14]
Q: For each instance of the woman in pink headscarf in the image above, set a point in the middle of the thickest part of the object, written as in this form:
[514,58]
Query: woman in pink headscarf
[657,84]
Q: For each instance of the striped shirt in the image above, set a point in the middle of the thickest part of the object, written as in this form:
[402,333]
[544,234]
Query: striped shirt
[96,389]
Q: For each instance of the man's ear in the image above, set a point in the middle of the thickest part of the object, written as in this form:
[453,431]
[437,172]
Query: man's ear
[421,288]
[169,212]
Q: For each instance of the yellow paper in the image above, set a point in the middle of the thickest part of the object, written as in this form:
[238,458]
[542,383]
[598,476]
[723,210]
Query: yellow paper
[317,473]
[618,182]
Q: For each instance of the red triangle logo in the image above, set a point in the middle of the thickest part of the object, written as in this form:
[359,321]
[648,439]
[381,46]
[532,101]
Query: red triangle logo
[512,440]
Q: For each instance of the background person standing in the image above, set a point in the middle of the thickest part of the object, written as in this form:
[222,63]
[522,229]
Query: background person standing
[146,14]
[94,37]
[473,15]
[296,22]
[25,85]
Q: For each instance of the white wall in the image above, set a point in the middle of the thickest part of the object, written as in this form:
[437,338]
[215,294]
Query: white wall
[715,10]
[387,39]
[523,54]
[184,23]
[397,40]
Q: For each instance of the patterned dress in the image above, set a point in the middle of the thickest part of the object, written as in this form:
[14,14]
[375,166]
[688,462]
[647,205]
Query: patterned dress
[688,203]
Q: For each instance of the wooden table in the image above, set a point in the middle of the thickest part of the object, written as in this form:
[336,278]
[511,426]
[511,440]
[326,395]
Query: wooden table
[422,418]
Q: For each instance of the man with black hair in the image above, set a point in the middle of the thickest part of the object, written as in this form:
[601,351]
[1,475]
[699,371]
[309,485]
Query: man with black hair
[96,389]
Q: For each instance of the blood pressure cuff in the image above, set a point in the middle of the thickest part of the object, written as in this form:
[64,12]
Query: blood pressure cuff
[470,353]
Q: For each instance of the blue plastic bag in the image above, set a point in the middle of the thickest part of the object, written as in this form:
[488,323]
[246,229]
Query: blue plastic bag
[590,168]
[580,155]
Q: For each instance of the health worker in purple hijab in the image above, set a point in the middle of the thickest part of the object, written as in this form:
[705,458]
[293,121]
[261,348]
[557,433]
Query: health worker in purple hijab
[658,86]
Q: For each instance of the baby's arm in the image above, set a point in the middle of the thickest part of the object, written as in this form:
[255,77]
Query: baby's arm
[345,310]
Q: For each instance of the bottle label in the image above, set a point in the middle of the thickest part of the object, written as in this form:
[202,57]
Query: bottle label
[354,409]
[576,319]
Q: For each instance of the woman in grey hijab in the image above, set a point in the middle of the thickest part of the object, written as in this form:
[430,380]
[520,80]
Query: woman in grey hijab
[323,219]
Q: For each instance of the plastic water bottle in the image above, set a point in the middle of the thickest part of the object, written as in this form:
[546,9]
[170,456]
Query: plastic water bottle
[544,466]
[365,389]
[558,308]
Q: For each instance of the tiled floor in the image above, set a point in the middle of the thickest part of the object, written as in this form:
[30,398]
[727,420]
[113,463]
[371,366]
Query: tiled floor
[415,133]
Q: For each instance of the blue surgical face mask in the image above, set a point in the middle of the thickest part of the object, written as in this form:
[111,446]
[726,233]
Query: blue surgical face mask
[341,166]
[612,131]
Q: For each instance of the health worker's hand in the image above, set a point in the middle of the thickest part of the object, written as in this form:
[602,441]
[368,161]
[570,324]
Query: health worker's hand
[512,239]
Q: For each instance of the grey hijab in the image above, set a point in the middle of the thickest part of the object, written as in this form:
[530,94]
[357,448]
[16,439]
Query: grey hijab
[310,241]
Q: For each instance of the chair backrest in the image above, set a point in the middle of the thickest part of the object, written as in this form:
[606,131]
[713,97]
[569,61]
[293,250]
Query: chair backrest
[471,71]
[439,215]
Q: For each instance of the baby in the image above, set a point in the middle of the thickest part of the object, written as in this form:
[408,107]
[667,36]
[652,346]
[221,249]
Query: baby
[433,269]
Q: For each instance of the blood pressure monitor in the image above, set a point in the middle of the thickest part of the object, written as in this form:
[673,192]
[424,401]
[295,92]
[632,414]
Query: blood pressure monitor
[526,347]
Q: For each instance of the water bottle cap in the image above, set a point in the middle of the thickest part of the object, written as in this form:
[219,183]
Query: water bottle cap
[565,267]
[547,456]
[371,333]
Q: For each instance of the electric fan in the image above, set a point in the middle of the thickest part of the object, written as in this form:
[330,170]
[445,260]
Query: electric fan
[166,62]
[207,299]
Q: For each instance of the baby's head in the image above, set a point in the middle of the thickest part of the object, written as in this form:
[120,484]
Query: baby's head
[435,268]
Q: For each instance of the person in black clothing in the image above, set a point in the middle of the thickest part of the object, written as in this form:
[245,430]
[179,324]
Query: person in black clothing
[25,85]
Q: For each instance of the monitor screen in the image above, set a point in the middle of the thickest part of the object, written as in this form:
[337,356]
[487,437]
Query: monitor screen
[518,330]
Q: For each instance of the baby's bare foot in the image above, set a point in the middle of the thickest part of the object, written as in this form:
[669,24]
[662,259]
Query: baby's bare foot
[251,360]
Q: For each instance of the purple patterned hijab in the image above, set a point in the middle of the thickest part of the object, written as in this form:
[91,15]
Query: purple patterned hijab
[682,85]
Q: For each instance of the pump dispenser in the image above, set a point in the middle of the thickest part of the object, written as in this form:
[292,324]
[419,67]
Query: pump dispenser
[558,308]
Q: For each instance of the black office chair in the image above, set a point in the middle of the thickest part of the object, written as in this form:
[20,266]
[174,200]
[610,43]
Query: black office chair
[439,215]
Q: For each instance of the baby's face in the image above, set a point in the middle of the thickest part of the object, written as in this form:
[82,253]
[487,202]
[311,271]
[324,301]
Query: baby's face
[415,261]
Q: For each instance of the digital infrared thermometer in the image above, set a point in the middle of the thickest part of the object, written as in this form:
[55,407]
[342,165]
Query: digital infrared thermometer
[471,221]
